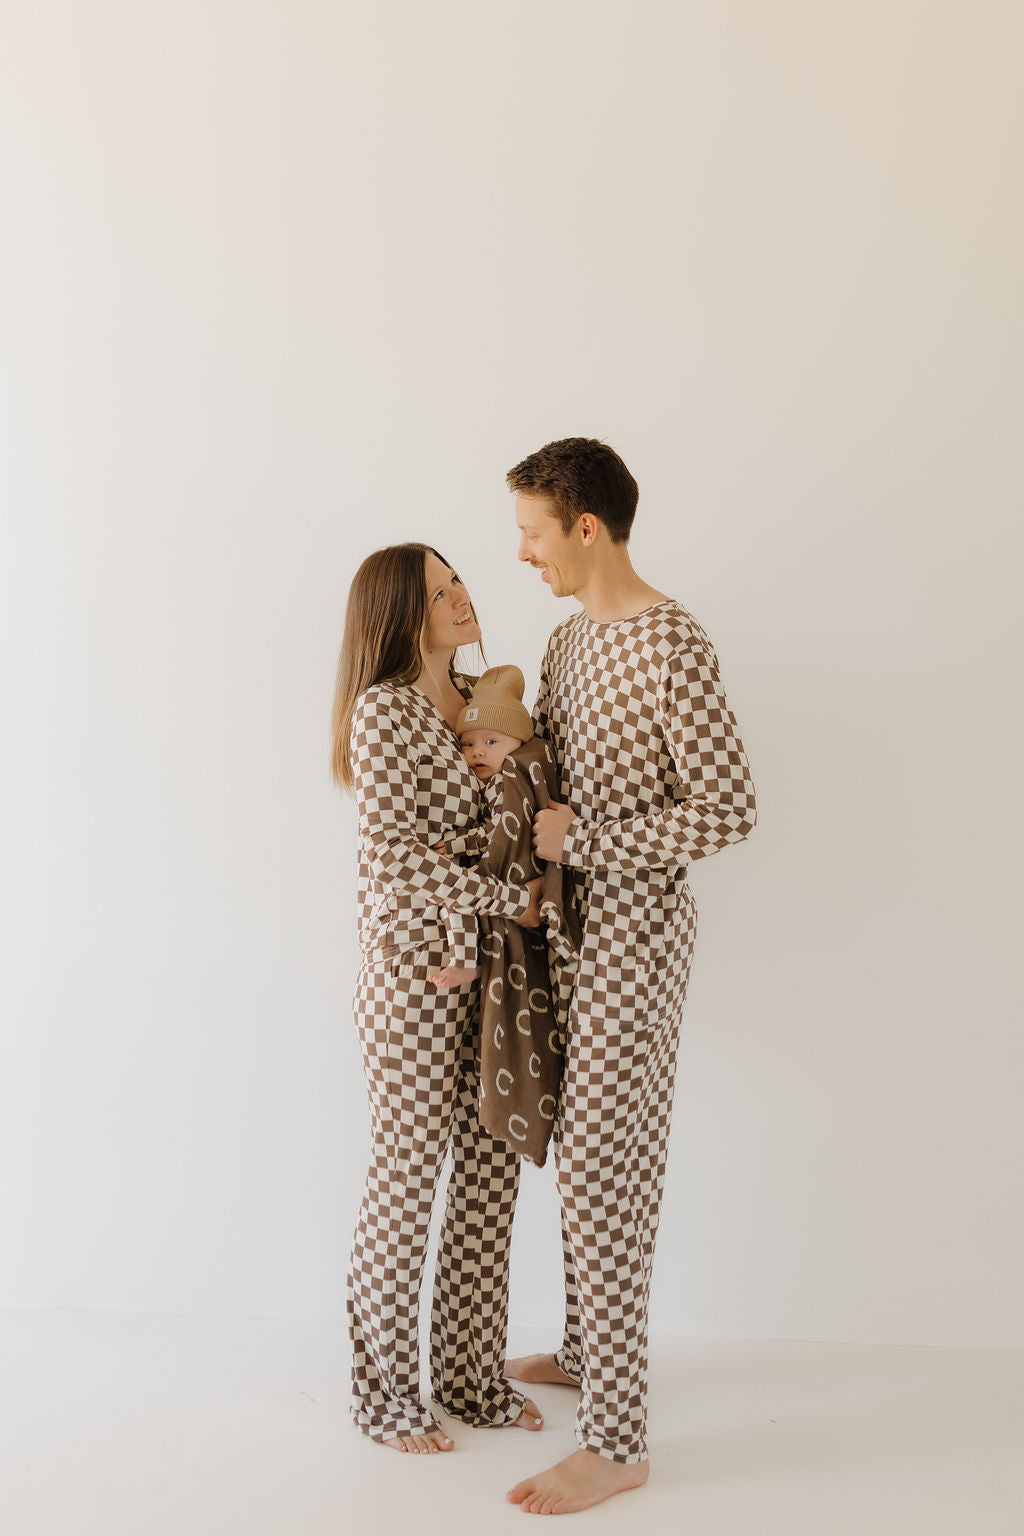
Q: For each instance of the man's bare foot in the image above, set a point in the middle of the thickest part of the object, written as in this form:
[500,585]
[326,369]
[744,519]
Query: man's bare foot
[423,1445]
[576,1483]
[530,1418]
[538,1369]
[451,976]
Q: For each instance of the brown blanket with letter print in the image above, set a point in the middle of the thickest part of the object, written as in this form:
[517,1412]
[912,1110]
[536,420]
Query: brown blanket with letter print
[525,982]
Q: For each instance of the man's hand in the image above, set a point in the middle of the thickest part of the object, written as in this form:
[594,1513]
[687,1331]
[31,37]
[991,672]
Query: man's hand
[549,829]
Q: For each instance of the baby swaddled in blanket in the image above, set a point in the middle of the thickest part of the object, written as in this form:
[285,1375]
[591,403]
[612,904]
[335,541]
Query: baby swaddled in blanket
[525,981]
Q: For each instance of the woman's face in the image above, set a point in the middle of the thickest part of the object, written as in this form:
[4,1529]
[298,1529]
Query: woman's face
[451,621]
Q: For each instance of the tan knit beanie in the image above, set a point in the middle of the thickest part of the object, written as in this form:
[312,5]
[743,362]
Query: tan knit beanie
[497,705]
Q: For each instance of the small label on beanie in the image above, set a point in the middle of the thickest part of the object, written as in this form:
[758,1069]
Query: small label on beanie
[471,714]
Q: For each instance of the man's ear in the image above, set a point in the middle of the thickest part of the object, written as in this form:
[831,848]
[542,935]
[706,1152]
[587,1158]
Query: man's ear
[588,524]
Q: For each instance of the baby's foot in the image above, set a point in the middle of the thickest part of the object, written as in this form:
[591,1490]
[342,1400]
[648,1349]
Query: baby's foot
[452,976]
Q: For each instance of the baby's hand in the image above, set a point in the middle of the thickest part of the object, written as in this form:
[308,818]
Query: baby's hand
[452,976]
[440,848]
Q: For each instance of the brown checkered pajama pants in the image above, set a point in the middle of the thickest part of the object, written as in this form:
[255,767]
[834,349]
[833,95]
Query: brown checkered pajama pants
[419,1051]
[611,1142]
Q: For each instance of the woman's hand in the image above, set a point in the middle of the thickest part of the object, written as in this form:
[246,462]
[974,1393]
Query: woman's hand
[531,917]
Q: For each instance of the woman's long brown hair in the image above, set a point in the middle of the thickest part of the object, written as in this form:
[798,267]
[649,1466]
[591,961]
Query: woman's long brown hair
[384,626]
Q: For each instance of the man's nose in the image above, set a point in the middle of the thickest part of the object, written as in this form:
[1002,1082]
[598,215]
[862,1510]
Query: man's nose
[521,551]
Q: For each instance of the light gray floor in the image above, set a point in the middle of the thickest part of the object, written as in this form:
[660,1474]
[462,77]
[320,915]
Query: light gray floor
[145,1425]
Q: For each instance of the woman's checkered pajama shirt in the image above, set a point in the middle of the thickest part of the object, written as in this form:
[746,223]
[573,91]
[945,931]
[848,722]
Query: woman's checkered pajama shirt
[413,789]
[656,774]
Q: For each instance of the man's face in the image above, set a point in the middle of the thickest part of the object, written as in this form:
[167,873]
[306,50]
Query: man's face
[543,544]
[485,751]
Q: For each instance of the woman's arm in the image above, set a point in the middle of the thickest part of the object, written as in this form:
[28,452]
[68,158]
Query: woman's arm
[384,774]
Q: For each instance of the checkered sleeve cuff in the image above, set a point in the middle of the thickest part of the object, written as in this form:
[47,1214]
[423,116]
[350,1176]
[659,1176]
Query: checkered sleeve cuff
[462,941]
[472,842]
[577,850]
[516,904]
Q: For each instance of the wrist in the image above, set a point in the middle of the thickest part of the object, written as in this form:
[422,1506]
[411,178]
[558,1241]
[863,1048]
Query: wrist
[575,845]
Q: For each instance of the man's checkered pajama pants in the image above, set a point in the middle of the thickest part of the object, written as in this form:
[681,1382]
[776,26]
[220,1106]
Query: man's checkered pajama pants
[610,1149]
[419,1051]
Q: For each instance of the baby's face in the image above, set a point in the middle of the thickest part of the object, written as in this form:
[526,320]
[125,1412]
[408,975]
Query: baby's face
[485,751]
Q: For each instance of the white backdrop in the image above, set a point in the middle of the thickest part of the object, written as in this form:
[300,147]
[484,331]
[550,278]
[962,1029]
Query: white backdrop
[283,283]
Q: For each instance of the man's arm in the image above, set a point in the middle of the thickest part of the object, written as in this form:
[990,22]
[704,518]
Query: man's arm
[716,807]
[540,709]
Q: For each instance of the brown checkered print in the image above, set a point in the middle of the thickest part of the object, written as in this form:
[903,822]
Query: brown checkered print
[413,789]
[462,929]
[657,776]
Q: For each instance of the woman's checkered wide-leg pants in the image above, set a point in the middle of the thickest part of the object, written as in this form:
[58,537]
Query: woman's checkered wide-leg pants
[419,1050]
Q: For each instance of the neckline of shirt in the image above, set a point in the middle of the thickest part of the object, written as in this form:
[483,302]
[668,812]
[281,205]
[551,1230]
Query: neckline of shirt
[631,619]
[430,708]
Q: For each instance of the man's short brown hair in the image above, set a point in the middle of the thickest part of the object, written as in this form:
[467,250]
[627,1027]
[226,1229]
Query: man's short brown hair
[581,474]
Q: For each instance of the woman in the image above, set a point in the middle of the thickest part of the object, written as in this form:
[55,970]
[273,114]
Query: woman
[395,747]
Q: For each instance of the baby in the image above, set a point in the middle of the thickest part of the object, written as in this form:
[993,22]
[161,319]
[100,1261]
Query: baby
[525,983]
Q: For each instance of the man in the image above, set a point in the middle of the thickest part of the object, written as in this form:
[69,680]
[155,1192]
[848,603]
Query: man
[655,777]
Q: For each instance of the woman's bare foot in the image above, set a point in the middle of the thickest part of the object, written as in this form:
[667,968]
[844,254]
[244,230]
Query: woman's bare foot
[576,1483]
[538,1369]
[530,1418]
[423,1445]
